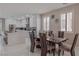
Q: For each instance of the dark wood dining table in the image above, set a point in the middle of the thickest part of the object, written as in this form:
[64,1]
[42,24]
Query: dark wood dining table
[58,41]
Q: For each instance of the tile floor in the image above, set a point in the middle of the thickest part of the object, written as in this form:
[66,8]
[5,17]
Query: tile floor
[19,45]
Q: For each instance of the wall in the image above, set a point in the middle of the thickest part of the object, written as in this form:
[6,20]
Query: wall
[75,21]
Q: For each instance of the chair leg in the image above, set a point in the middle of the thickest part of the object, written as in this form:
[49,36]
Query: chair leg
[53,52]
[72,53]
[62,52]
[32,47]
[59,50]
[43,52]
[54,49]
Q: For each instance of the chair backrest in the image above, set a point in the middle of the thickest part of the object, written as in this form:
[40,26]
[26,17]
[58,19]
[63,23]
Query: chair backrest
[34,33]
[32,40]
[31,34]
[43,44]
[50,33]
[61,34]
[74,41]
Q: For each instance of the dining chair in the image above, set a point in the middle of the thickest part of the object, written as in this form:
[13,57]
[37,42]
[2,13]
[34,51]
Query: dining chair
[51,34]
[37,40]
[69,48]
[45,47]
[61,34]
[32,39]
[43,44]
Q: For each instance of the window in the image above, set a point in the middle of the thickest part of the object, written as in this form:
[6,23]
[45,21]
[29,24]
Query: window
[63,24]
[48,19]
[46,23]
[69,22]
[66,22]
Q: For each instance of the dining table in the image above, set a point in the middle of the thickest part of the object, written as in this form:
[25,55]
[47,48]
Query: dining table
[57,40]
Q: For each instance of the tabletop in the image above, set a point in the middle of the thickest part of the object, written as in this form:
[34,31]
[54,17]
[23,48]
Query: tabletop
[57,40]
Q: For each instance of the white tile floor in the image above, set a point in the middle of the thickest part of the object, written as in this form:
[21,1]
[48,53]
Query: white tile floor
[19,45]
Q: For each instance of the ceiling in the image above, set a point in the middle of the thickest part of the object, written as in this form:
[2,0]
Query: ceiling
[20,9]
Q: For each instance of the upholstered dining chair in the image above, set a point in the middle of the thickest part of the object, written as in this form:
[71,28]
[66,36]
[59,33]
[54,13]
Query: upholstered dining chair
[43,44]
[69,48]
[32,39]
[51,34]
[45,47]
[60,35]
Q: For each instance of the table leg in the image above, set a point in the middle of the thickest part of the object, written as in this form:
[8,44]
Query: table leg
[54,49]
[59,51]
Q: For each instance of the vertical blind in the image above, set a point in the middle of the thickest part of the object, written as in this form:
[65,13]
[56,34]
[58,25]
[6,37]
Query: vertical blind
[66,22]
[46,23]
